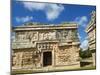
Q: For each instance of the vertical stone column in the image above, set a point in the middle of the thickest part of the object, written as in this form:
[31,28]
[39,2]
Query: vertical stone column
[52,57]
[41,60]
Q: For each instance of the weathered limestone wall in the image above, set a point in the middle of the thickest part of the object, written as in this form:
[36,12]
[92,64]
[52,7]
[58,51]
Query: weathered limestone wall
[91,31]
[29,47]
[94,59]
[67,55]
[26,59]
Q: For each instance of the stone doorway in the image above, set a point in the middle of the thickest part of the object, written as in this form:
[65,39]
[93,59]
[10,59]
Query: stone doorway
[47,58]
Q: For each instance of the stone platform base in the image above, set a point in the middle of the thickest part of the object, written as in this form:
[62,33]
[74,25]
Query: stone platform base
[49,69]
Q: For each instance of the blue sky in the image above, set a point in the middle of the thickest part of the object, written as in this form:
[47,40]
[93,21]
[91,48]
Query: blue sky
[51,13]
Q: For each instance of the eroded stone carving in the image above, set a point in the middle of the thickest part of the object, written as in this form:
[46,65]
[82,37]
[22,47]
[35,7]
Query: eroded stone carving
[31,45]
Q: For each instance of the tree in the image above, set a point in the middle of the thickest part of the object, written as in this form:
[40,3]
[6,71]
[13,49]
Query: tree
[85,54]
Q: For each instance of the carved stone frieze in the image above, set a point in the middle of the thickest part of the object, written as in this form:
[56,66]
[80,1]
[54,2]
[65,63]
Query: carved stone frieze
[37,48]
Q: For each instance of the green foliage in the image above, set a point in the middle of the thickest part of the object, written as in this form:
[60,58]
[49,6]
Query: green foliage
[85,54]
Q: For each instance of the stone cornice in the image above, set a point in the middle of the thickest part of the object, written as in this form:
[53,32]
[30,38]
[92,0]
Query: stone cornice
[45,27]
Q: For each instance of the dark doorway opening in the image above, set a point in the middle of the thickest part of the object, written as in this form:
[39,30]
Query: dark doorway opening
[47,58]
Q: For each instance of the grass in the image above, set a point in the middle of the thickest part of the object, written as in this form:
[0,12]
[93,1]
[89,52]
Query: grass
[31,71]
[86,68]
[22,72]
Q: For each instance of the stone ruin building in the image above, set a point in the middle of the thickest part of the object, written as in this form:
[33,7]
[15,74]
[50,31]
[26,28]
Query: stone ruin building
[37,46]
[91,31]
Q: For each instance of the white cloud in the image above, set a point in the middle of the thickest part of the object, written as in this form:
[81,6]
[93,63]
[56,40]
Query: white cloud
[83,20]
[85,44]
[79,36]
[24,19]
[34,6]
[52,11]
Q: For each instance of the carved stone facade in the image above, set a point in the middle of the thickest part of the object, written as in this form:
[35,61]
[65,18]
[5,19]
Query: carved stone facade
[37,46]
[91,31]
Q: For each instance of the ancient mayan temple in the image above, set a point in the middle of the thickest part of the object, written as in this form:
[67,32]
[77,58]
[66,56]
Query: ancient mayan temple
[37,46]
[91,31]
